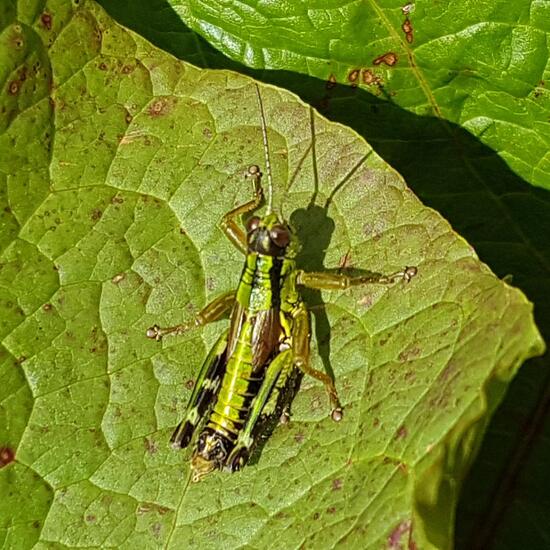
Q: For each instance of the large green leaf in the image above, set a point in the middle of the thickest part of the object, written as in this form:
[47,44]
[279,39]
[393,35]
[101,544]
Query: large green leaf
[503,216]
[480,64]
[120,161]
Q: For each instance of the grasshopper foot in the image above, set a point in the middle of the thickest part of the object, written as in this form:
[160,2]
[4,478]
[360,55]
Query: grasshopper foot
[154,333]
[237,459]
[409,272]
[337,414]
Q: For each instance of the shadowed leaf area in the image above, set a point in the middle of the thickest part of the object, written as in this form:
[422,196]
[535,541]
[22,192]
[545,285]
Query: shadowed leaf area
[121,160]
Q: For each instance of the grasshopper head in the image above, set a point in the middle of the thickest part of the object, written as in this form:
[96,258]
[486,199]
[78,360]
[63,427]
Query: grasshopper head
[210,455]
[268,235]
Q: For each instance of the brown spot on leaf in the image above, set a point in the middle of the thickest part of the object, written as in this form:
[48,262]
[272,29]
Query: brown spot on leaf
[369,78]
[96,214]
[47,307]
[389,59]
[299,437]
[91,518]
[160,107]
[337,484]
[331,82]
[103,66]
[7,455]
[331,509]
[46,20]
[190,384]
[394,540]
[408,30]
[402,432]
[353,76]
[14,87]
[409,353]
[127,69]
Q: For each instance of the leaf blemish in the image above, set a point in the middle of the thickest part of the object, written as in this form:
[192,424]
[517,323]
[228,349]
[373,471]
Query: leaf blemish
[96,214]
[13,88]
[160,107]
[408,30]
[410,353]
[402,432]
[337,484]
[394,540]
[117,278]
[331,82]
[7,455]
[389,59]
[353,76]
[46,20]
[370,78]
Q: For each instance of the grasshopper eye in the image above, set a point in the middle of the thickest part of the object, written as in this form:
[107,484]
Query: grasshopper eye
[252,224]
[280,235]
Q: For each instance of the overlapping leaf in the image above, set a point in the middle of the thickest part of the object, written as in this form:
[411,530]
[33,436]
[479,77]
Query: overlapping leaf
[121,160]
[481,65]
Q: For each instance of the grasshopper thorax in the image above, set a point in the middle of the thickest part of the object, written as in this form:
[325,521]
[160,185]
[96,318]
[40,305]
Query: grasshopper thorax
[268,235]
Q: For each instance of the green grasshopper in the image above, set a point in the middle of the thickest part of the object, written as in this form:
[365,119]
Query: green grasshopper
[267,340]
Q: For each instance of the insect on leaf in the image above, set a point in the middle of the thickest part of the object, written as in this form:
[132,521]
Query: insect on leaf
[121,161]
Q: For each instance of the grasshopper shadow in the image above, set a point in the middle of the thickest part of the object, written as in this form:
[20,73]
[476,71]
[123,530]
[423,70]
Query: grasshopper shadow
[313,229]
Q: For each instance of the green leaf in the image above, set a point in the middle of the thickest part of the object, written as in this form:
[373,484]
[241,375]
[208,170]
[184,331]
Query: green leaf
[121,161]
[482,65]
[502,215]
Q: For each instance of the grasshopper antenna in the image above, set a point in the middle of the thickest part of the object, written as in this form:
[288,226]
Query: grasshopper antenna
[266,153]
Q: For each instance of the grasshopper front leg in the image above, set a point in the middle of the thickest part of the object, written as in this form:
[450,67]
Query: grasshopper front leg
[205,389]
[229,223]
[213,311]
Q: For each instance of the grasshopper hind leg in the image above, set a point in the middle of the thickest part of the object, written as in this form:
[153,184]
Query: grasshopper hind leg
[264,398]
[205,390]
[300,338]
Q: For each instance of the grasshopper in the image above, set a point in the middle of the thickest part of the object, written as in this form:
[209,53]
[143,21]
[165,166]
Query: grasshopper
[267,340]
